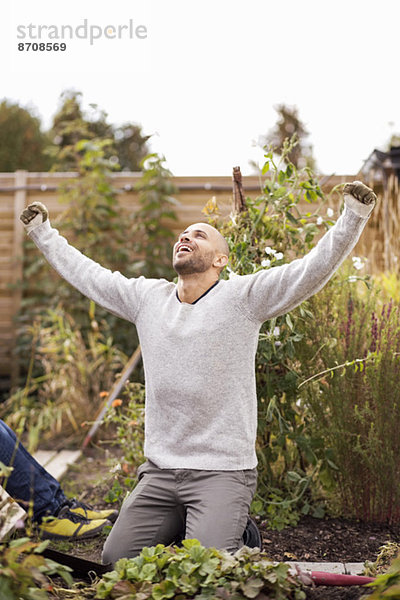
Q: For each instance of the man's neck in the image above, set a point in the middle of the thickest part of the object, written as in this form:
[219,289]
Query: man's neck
[191,287]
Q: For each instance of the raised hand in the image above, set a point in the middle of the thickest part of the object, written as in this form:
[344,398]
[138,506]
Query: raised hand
[360,192]
[33,215]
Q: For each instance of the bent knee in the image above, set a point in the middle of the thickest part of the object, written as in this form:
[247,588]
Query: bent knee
[116,548]
[113,551]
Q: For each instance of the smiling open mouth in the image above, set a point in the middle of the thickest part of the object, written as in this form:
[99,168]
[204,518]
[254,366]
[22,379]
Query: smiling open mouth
[184,248]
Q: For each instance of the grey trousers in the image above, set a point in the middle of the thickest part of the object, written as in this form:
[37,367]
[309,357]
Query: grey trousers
[211,506]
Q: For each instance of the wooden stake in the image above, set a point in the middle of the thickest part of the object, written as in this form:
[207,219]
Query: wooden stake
[115,390]
[239,202]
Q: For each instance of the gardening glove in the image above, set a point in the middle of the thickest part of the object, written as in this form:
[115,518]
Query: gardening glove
[35,214]
[360,192]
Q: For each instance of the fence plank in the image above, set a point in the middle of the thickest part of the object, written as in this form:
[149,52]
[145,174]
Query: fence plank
[17,256]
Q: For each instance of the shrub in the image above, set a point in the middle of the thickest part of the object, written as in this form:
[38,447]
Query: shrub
[354,402]
[94,222]
[74,372]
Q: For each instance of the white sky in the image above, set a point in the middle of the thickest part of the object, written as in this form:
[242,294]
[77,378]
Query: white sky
[207,77]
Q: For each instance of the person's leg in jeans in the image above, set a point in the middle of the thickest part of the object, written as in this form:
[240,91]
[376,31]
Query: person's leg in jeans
[29,481]
[30,484]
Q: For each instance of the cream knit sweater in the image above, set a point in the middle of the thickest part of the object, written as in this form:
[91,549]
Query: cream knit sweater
[199,359]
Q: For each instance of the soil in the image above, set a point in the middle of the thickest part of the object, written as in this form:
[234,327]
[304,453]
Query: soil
[329,540]
[313,540]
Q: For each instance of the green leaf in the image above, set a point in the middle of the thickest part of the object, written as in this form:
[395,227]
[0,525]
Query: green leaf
[311,196]
[318,512]
[257,507]
[293,476]
[148,571]
[282,178]
[164,589]
[281,191]
[291,218]
[265,168]
[20,542]
[39,549]
[190,543]
[289,321]
[251,587]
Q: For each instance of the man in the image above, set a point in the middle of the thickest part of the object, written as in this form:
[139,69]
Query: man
[31,485]
[198,341]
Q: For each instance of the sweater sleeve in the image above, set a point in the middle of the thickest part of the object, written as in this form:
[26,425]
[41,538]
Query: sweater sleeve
[276,291]
[109,289]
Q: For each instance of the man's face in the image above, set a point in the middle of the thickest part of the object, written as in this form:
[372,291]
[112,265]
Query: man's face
[196,249]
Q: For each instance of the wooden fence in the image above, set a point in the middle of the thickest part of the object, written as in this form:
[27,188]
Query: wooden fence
[379,243]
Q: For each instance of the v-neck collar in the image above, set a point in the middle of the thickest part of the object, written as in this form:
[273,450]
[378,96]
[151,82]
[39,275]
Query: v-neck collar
[200,297]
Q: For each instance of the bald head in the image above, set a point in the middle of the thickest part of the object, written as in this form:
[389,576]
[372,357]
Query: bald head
[216,237]
[199,248]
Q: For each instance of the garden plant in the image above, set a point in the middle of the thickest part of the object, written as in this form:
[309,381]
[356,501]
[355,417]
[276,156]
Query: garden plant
[192,571]
[352,400]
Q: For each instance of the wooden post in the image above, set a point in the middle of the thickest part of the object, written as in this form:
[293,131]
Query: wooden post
[17,258]
[239,202]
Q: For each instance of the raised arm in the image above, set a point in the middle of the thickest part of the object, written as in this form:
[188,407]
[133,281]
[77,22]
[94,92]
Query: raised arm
[275,291]
[111,290]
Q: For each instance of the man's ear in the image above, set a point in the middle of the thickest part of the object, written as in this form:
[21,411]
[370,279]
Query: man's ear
[220,261]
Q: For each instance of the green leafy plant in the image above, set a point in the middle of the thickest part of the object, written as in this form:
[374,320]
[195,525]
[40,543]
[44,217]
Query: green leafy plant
[25,572]
[125,420]
[153,237]
[192,571]
[386,585]
[95,223]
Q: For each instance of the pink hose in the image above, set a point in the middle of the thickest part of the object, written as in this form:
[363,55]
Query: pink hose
[321,578]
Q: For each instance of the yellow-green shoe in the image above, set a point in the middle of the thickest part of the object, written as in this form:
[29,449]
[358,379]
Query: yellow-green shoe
[87,511]
[68,525]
